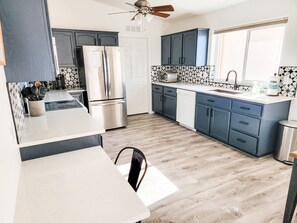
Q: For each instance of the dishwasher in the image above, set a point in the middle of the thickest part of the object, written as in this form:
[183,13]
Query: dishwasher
[186,101]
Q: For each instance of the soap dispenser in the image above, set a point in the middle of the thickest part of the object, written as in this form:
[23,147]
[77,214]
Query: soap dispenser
[273,87]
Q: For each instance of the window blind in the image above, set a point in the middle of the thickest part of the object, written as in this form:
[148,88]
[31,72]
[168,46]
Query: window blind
[253,25]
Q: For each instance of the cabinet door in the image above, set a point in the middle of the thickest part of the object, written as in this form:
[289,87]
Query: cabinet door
[108,39]
[176,48]
[65,48]
[220,123]
[202,47]
[157,103]
[85,38]
[169,107]
[202,118]
[27,41]
[189,48]
[166,46]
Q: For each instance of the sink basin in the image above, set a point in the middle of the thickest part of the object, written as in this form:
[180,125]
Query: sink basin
[226,91]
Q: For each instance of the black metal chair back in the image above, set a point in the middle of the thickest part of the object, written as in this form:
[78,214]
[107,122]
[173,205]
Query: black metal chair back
[137,159]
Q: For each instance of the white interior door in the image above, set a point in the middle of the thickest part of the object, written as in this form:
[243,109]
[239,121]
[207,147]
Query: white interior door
[136,74]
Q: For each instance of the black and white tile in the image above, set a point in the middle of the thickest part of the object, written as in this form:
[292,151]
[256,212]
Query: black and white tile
[17,105]
[194,75]
[288,81]
[71,77]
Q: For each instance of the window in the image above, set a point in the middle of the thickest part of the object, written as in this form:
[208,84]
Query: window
[253,52]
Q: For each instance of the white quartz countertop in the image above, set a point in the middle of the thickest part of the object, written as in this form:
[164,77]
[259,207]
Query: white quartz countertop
[82,186]
[57,95]
[245,96]
[59,125]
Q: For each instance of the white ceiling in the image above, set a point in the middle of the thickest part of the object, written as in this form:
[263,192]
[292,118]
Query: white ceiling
[183,8]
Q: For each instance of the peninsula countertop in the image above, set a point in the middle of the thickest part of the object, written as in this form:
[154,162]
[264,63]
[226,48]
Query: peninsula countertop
[245,96]
[59,125]
[79,186]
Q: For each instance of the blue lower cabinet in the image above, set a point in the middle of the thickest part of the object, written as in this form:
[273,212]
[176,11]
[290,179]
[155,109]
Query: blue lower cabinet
[164,101]
[157,102]
[169,107]
[220,123]
[202,118]
[243,142]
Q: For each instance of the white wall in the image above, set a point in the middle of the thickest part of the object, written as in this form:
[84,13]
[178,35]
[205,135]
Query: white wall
[9,156]
[249,12]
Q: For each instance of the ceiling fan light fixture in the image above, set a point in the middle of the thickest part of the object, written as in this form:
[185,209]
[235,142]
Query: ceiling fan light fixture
[149,17]
[138,18]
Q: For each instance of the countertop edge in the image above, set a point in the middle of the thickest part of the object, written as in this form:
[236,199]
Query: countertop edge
[236,97]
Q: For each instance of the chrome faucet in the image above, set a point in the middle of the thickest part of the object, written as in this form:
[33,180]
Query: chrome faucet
[235,84]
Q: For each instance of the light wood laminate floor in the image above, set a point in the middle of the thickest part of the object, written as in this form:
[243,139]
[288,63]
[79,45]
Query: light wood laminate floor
[216,183]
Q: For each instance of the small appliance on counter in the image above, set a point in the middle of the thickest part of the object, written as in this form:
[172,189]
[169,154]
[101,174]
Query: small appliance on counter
[60,82]
[273,88]
[168,77]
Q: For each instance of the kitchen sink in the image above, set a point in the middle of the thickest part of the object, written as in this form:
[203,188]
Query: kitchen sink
[226,91]
[60,105]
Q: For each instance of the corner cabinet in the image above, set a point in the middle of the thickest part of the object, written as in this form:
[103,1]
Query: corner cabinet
[164,101]
[250,127]
[65,47]
[189,48]
[27,40]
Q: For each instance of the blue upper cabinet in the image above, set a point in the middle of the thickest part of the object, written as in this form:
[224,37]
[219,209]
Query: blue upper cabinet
[166,46]
[85,38]
[65,47]
[189,48]
[108,39]
[27,40]
[176,49]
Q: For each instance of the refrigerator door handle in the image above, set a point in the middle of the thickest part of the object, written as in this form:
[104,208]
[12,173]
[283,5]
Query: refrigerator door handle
[104,103]
[108,74]
[105,73]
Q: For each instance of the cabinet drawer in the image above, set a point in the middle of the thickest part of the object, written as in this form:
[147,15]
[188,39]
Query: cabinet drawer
[157,88]
[243,142]
[170,91]
[245,124]
[214,101]
[247,108]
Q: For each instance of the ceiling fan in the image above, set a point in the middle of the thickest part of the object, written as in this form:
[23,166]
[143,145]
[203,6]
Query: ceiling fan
[143,9]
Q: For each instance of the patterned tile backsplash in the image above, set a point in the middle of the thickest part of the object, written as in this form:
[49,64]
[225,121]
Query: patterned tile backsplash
[71,77]
[17,105]
[288,81]
[204,76]
[194,75]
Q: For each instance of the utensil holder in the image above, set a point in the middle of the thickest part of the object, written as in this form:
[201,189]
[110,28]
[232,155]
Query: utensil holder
[37,108]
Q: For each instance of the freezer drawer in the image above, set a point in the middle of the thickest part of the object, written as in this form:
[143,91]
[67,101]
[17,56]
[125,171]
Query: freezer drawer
[112,114]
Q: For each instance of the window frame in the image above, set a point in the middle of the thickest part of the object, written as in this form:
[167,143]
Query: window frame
[217,52]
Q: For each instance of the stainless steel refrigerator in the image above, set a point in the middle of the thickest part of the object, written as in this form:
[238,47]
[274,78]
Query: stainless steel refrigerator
[105,85]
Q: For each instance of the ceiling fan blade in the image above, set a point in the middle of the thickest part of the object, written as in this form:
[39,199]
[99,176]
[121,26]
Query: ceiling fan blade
[164,15]
[130,4]
[163,8]
[115,13]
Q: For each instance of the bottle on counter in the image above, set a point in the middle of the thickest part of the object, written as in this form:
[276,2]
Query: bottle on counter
[273,86]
